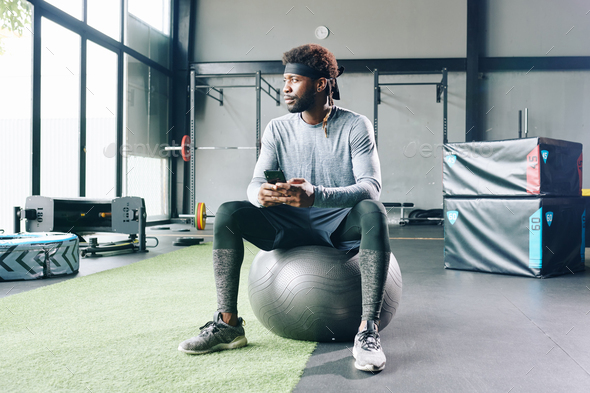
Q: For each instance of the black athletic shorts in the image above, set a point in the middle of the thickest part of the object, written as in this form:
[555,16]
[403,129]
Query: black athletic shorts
[296,226]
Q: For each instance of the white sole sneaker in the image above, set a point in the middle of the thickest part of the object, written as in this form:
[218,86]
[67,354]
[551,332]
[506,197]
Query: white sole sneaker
[238,342]
[366,367]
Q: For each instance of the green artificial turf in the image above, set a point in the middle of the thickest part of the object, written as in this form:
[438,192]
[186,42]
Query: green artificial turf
[119,330]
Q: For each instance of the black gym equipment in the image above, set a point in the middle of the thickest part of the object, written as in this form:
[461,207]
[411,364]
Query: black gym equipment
[188,241]
[516,167]
[81,216]
[441,90]
[314,293]
[514,207]
[535,236]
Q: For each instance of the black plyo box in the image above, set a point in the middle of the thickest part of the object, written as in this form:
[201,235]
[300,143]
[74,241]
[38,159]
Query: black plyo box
[517,167]
[535,237]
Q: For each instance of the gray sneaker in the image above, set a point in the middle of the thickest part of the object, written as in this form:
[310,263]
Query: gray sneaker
[367,350]
[216,335]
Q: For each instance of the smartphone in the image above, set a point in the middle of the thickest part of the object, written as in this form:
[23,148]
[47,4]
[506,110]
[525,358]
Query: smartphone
[275,176]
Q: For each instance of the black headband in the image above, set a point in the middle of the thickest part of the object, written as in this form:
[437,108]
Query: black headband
[304,70]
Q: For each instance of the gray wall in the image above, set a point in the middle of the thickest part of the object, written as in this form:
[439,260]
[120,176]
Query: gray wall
[409,152]
[360,30]
[533,27]
[226,30]
[557,101]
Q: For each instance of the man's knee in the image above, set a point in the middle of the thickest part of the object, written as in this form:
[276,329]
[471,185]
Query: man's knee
[367,206]
[225,215]
[229,208]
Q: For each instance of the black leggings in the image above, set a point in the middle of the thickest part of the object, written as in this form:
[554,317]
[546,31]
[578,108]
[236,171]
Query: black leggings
[234,221]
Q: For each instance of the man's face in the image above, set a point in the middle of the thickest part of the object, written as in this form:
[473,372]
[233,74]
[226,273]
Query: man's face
[299,92]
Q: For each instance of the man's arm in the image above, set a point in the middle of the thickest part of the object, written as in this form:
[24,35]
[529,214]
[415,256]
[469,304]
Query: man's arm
[266,160]
[366,168]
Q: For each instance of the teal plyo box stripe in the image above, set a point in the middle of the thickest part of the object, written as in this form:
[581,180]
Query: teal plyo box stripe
[535,237]
[536,240]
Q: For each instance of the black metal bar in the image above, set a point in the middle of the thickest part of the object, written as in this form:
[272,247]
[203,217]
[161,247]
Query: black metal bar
[409,72]
[36,103]
[212,87]
[83,74]
[409,84]
[192,135]
[433,65]
[519,124]
[472,132]
[545,63]
[64,19]
[215,98]
[376,102]
[408,66]
[142,216]
[277,92]
[445,85]
[16,218]
[225,75]
[269,85]
[222,86]
[172,104]
[120,103]
[258,88]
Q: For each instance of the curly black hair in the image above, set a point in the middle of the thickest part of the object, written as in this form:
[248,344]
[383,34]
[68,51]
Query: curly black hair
[314,56]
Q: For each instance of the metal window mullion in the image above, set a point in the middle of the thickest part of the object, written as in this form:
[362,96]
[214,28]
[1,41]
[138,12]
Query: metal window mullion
[82,131]
[36,106]
[79,27]
[120,102]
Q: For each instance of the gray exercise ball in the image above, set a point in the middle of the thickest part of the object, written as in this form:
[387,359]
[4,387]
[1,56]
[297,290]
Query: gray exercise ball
[313,293]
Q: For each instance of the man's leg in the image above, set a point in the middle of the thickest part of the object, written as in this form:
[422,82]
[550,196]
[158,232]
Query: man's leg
[233,222]
[367,220]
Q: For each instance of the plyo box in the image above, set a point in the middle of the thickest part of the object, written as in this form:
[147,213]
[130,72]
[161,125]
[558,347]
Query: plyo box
[536,237]
[518,167]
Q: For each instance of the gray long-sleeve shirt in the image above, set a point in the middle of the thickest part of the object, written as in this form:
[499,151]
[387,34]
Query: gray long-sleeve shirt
[343,168]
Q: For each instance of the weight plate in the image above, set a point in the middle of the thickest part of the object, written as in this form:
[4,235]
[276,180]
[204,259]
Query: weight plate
[186,148]
[188,241]
[201,216]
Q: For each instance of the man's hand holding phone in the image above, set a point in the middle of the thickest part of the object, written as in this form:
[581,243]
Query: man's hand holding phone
[295,192]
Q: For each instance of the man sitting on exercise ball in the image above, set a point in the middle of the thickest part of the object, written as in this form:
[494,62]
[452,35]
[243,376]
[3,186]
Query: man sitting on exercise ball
[331,199]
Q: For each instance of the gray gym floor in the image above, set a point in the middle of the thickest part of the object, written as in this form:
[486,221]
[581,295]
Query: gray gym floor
[455,331]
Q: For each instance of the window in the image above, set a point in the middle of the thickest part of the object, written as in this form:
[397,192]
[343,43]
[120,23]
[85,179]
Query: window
[101,122]
[72,7]
[103,15]
[15,117]
[60,111]
[148,29]
[146,133]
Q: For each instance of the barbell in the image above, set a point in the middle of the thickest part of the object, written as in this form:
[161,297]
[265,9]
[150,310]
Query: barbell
[185,148]
[200,216]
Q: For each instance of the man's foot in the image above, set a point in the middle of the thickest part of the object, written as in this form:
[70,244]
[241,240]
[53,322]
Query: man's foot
[216,335]
[367,349]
